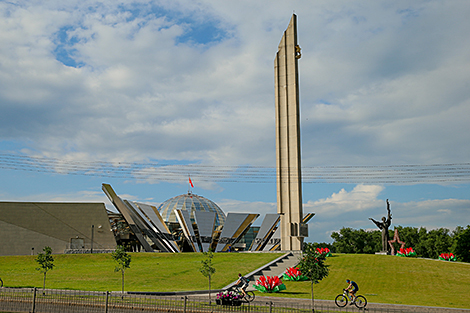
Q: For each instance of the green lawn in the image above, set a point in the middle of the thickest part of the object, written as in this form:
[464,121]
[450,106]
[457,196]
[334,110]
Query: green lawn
[382,279]
[391,279]
[148,271]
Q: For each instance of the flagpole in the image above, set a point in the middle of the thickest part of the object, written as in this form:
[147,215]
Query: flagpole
[190,184]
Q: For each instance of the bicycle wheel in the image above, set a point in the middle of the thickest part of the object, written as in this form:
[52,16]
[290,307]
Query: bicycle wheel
[1,282]
[361,302]
[250,296]
[341,300]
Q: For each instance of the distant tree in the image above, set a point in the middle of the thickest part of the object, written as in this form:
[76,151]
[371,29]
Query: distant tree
[123,262]
[342,240]
[207,269]
[420,242]
[312,265]
[427,244]
[323,245]
[438,241]
[461,246]
[46,263]
[374,242]
[350,240]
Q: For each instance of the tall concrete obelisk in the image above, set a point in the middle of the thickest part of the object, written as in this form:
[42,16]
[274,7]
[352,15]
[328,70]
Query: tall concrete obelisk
[289,182]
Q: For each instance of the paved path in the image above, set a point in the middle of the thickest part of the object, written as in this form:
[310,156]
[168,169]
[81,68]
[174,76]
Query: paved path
[370,306]
[330,304]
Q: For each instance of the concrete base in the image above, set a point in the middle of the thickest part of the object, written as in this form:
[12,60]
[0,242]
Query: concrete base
[87,251]
[383,253]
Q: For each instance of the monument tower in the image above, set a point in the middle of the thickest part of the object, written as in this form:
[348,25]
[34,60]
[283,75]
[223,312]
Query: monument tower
[288,167]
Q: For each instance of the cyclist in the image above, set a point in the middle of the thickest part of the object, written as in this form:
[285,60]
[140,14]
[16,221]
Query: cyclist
[353,288]
[242,282]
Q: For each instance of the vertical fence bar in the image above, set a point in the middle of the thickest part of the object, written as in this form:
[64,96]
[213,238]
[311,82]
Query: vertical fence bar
[33,306]
[21,300]
[106,303]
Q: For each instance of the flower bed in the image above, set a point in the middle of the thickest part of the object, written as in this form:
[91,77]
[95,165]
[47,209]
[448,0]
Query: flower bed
[228,298]
[293,273]
[407,252]
[269,284]
[447,257]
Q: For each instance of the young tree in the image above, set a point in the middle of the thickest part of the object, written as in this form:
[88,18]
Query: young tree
[312,265]
[207,269]
[46,263]
[123,261]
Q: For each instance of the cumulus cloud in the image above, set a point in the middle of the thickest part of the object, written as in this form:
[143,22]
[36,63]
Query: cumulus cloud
[354,208]
[361,198]
[192,82]
[436,213]
[197,80]
[262,208]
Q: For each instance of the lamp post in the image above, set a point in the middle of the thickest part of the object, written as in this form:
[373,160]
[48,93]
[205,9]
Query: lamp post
[92,234]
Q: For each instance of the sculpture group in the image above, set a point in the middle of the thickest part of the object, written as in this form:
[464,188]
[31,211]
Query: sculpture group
[384,225]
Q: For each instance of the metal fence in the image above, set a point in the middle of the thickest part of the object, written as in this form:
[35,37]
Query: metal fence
[51,301]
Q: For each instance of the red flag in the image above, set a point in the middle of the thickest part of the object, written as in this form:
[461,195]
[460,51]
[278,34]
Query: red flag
[190,182]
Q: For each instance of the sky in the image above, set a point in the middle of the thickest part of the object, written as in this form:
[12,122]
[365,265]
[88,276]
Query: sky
[143,94]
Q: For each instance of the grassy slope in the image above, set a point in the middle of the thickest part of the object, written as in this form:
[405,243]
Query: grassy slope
[382,279]
[395,280]
[148,271]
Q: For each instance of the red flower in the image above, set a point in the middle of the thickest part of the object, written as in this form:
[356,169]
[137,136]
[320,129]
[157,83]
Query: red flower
[269,282]
[293,272]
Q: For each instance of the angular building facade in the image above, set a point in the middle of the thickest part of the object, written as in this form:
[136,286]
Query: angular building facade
[27,227]
[192,223]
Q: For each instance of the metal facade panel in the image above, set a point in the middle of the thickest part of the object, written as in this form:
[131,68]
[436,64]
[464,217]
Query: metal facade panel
[28,225]
[205,223]
[307,217]
[235,226]
[267,229]
[274,243]
[146,227]
[128,215]
[151,213]
[185,222]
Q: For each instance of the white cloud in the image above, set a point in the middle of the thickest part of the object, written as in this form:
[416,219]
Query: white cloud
[353,209]
[262,208]
[361,198]
[447,213]
[380,84]
[375,81]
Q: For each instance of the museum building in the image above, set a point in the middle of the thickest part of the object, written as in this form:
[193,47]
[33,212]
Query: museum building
[185,223]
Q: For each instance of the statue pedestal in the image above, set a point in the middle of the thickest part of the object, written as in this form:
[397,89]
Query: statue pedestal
[383,253]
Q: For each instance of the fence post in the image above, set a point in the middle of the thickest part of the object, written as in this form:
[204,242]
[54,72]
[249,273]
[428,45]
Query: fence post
[106,305]
[270,307]
[185,300]
[33,307]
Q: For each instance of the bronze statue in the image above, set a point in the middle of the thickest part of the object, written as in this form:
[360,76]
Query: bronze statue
[384,225]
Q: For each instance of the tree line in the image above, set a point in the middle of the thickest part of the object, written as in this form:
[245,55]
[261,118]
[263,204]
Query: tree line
[426,243]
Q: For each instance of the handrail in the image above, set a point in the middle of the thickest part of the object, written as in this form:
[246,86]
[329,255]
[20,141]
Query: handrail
[260,269]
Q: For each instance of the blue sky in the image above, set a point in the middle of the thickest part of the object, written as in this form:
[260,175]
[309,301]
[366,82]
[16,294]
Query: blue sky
[167,84]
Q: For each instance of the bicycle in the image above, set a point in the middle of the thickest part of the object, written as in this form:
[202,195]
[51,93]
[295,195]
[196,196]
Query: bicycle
[342,299]
[250,295]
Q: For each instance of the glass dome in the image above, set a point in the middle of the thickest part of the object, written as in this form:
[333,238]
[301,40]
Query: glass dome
[190,202]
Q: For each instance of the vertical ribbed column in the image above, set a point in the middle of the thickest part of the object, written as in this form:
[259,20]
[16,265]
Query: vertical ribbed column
[289,183]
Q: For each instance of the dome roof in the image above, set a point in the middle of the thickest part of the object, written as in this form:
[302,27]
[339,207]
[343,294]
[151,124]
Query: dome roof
[191,203]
